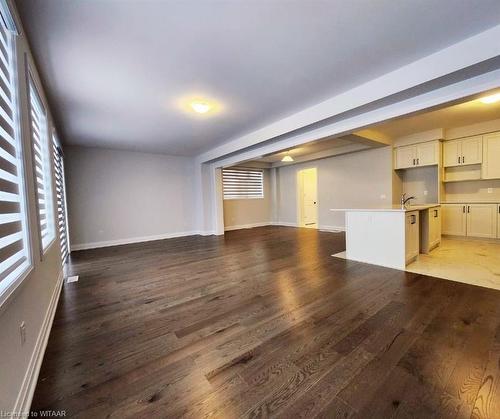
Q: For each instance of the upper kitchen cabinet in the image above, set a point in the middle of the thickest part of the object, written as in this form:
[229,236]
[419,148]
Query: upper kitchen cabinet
[416,155]
[491,156]
[463,152]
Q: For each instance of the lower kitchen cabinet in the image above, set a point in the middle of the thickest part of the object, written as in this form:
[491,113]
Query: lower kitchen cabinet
[471,220]
[434,227]
[412,235]
[482,220]
[454,221]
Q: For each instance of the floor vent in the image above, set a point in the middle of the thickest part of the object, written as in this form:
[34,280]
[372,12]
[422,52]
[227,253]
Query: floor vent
[72,279]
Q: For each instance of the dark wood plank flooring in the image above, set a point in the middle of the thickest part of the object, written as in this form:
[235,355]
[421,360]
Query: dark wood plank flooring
[264,322]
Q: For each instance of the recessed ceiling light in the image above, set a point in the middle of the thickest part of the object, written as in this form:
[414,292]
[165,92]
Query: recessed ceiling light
[287,158]
[200,107]
[491,99]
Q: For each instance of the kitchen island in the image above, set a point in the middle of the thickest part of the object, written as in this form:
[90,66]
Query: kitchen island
[391,236]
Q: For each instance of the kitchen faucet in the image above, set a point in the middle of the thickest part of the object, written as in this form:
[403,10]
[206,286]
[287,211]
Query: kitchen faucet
[404,199]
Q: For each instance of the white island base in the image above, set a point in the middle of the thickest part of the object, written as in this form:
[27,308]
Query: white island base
[391,237]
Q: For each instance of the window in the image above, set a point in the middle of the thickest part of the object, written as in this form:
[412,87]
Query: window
[41,156]
[242,183]
[60,198]
[14,245]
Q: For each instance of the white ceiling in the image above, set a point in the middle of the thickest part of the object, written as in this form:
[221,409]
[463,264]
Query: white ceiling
[114,70]
[309,148]
[459,115]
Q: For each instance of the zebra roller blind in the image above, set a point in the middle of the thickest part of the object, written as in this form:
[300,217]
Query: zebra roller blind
[243,183]
[14,248]
[41,156]
[60,198]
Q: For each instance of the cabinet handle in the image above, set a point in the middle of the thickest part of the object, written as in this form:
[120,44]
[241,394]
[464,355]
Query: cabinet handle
[418,162]
[463,209]
[459,160]
[468,208]
[435,213]
[463,159]
[413,219]
[413,162]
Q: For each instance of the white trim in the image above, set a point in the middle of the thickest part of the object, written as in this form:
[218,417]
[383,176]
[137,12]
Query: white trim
[25,396]
[118,242]
[242,226]
[333,229]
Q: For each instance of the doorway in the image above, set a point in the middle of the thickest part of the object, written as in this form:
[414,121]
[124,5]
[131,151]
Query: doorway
[307,193]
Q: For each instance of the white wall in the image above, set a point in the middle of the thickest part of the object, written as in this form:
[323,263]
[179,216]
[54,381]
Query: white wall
[121,196]
[31,302]
[348,181]
[240,213]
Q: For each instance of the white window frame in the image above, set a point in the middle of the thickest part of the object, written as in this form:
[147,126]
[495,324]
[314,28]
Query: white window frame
[9,286]
[46,151]
[249,180]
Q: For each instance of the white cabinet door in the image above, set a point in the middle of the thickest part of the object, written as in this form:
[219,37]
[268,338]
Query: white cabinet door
[452,152]
[412,237]
[454,219]
[405,156]
[498,222]
[428,153]
[491,156]
[482,220]
[434,227]
[472,150]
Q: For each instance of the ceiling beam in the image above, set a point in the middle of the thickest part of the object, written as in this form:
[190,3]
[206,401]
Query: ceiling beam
[469,52]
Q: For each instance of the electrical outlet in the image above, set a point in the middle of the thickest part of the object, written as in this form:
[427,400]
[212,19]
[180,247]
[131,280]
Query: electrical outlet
[426,193]
[383,196]
[490,190]
[22,331]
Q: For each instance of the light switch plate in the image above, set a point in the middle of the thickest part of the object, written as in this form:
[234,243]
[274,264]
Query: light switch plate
[426,192]
[490,190]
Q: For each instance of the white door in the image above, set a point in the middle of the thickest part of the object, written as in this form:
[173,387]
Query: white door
[308,198]
[482,220]
[472,150]
[452,151]
[454,219]
[405,156]
[491,156]
[427,153]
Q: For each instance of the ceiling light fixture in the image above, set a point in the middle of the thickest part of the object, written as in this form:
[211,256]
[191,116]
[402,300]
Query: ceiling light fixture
[490,99]
[200,107]
[287,158]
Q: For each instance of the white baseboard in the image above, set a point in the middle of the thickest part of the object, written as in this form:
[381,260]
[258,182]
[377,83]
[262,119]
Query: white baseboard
[25,396]
[331,228]
[284,224]
[118,242]
[242,226]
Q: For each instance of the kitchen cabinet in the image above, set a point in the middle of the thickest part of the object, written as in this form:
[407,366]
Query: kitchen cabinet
[417,155]
[491,156]
[430,229]
[482,220]
[434,215]
[454,219]
[412,235]
[463,152]
[498,222]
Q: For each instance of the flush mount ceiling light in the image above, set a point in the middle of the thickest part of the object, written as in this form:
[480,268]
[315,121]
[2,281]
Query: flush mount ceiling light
[287,158]
[490,99]
[200,107]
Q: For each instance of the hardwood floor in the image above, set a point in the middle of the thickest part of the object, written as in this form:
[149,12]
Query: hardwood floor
[263,322]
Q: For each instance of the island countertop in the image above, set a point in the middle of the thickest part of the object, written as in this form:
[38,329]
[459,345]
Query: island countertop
[387,208]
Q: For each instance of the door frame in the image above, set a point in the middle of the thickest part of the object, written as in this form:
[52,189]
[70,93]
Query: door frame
[300,201]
